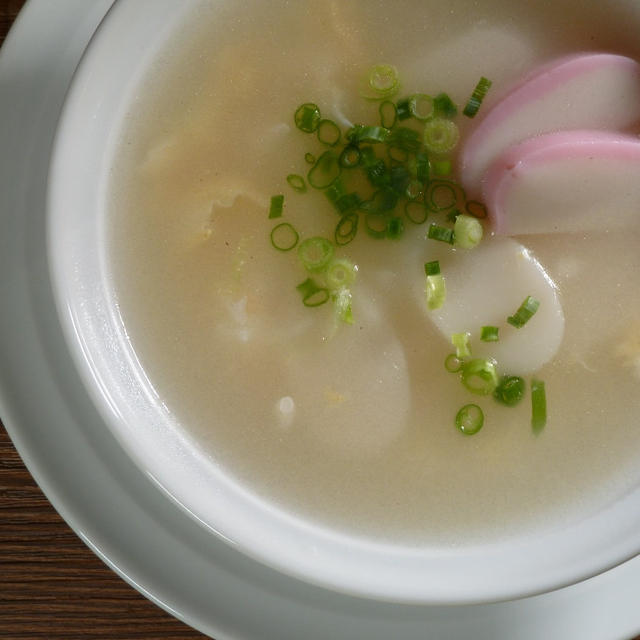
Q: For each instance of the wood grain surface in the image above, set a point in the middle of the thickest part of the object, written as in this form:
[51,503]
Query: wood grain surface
[51,585]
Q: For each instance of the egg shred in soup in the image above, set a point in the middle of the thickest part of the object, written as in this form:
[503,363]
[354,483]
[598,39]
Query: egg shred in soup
[353,425]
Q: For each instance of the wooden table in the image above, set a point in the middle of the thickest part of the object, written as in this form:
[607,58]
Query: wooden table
[51,585]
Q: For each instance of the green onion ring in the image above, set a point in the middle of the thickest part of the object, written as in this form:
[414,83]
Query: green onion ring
[452,363]
[296,182]
[416,211]
[421,106]
[510,390]
[479,376]
[346,229]
[281,243]
[312,294]
[440,135]
[443,195]
[388,114]
[476,209]
[315,253]
[340,273]
[350,157]
[470,419]
[328,132]
[325,171]
[307,117]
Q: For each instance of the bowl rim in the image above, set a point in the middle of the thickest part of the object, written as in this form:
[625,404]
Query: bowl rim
[96,339]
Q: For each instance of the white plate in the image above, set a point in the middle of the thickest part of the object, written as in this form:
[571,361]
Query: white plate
[115,508]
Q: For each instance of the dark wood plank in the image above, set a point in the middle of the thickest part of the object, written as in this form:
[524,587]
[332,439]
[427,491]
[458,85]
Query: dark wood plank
[9,9]
[51,585]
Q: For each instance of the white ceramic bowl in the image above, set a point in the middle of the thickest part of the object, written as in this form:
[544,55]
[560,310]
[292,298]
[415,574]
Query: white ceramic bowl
[105,82]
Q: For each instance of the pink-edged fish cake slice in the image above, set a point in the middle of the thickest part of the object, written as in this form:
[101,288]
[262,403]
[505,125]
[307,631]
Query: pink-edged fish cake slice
[582,91]
[571,182]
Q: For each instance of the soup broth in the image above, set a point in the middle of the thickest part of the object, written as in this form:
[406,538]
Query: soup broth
[352,426]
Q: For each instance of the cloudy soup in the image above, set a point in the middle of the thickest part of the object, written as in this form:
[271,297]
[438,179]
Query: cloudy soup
[344,413]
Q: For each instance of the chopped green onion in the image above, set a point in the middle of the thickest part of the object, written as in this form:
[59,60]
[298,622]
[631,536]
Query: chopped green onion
[296,182]
[350,157]
[361,133]
[489,334]
[284,237]
[312,294]
[368,157]
[470,419]
[399,178]
[405,138]
[476,209]
[324,171]
[452,216]
[442,195]
[342,304]
[275,208]
[402,109]
[397,154]
[461,342]
[376,224]
[340,273]
[432,268]
[343,202]
[381,82]
[510,390]
[524,313]
[414,190]
[441,167]
[315,253]
[436,291]
[388,114]
[383,200]
[395,227]
[467,232]
[440,135]
[444,106]
[378,173]
[452,363]
[421,106]
[348,202]
[479,376]
[328,132]
[339,198]
[417,212]
[423,167]
[346,229]
[309,158]
[477,97]
[307,117]
[436,232]
[335,191]
[538,405]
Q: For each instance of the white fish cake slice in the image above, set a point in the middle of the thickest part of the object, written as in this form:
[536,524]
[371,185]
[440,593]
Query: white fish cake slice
[485,286]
